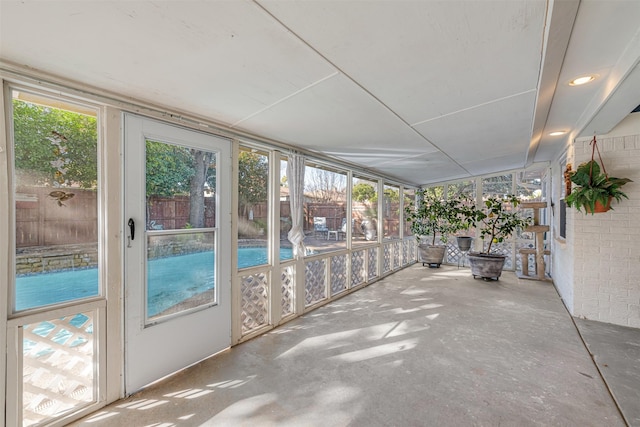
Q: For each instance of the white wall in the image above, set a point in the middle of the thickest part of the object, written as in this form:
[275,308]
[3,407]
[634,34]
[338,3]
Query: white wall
[597,268]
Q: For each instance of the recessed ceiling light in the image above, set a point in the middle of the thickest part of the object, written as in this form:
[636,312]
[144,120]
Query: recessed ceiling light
[582,80]
[560,132]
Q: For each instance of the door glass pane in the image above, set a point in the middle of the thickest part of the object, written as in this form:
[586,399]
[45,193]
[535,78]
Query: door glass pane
[55,149]
[58,367]
[181,215]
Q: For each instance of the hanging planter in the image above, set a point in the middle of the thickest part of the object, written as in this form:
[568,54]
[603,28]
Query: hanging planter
[593,188]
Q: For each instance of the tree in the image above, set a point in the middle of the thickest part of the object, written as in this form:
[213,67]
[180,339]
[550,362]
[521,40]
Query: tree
[169,169]
[324,185]
[253,179]
[53,146]
[201,163]
[363,192]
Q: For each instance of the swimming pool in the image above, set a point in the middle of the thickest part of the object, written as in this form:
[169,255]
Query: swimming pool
[169,281]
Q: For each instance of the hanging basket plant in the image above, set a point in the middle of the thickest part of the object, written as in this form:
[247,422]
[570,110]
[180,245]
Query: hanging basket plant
[593,188]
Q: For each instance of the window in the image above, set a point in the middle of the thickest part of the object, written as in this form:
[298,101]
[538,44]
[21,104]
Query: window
[364,215]
[55,150]
[253,207]
[391,212]
[325,207]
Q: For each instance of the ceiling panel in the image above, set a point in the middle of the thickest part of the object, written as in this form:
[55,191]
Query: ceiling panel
[428,168]
[426,58]
[224,60]
[424,90]
[336,114]
[486,132]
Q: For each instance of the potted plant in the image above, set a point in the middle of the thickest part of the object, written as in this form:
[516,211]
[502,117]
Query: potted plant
[495,222]
[435,218]
[593,190]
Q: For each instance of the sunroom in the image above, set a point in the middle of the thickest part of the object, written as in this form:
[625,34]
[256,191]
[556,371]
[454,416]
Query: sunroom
[169,165]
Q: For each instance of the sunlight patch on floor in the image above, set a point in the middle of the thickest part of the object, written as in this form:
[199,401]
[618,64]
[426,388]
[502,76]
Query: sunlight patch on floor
[101,416]
[189,393]
[377,351]
[340,339]
[143,404]
[233,383]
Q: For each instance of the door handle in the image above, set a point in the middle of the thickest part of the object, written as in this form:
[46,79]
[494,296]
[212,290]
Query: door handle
[132,231]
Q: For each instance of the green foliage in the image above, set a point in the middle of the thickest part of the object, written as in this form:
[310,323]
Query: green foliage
[434,216]
[363,192]
[169,169]
[496,221]
[253,178]
[55,146]
[591,186]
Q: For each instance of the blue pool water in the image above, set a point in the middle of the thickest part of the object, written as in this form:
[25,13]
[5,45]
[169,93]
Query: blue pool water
[171,280]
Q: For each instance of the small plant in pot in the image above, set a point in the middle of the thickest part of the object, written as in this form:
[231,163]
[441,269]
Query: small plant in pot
[495,222]
[434,218]
[593,190]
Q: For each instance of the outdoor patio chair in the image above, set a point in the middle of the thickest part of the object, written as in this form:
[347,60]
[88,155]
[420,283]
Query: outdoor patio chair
[320,226]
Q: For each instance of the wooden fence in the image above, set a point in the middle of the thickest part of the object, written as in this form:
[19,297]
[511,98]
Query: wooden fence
[41,220]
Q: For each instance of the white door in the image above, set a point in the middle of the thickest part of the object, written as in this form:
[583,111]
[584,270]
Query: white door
[177,218]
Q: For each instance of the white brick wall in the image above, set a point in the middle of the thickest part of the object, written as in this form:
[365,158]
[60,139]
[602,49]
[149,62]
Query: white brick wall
[603,280]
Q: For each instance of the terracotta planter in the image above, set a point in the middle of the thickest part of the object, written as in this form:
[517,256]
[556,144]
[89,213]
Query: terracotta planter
[600,208]
[488,267]
[431,255]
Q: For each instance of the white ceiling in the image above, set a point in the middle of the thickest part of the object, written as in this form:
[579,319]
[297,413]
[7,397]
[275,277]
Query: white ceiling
[423,91]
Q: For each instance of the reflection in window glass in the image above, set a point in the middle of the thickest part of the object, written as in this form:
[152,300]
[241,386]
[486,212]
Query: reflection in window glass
[364,211]
[56,201]
[325,207]
[391,212]
[253,205]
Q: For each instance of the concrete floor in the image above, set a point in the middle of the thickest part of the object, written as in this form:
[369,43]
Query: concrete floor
[422,347]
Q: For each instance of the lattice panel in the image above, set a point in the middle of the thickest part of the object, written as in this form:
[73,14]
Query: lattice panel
[504,248]
[338,274]
[454,255]
[396,255]
[357,267]
[286,278]
[386,260]
[412,249]
[255,297]
[405,252]
[373,263]
[58,367]
[315,282]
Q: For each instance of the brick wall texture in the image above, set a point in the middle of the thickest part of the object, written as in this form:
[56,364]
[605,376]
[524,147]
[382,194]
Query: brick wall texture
[606,246]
